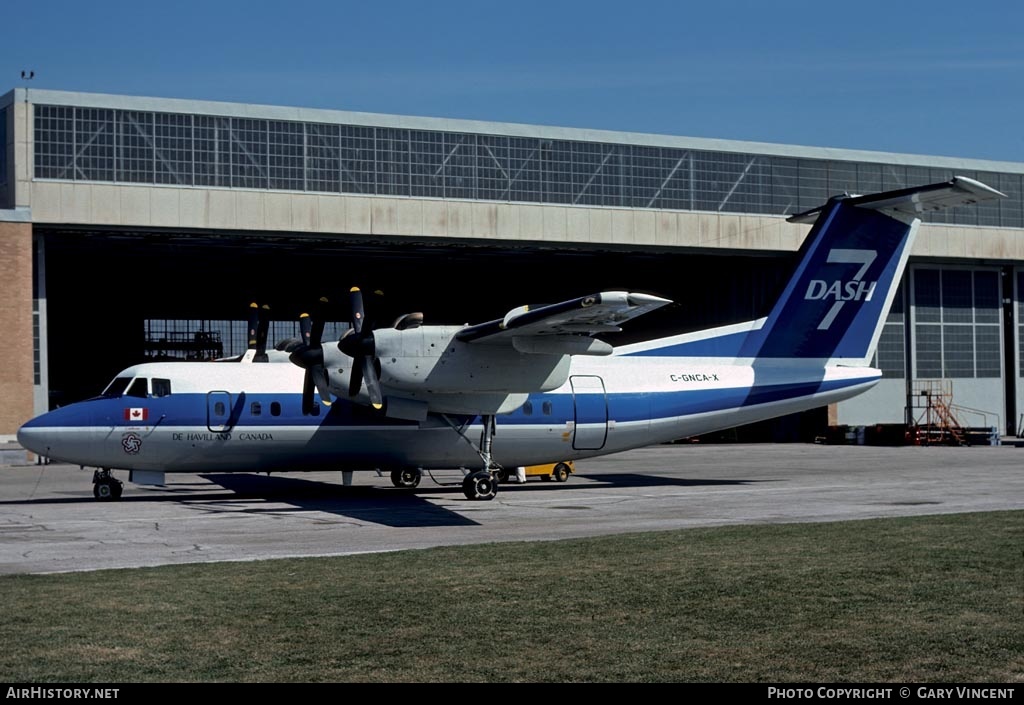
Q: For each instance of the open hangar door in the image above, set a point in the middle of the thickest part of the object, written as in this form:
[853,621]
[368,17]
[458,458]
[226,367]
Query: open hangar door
[103,287]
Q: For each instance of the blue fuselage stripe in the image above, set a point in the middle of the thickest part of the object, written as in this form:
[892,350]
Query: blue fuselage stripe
[191,410]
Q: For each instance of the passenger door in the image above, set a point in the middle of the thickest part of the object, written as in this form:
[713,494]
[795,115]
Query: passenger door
[591,407]
[218,411]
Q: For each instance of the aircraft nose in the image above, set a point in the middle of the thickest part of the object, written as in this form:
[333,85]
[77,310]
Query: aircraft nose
[61,434]
[33,436]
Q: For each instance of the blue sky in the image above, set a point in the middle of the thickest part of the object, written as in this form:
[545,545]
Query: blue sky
[939,78]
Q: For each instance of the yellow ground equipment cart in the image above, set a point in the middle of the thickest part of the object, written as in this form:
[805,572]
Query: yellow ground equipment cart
[559,472]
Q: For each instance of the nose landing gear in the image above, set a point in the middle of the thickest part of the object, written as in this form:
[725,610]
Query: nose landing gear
[106,487]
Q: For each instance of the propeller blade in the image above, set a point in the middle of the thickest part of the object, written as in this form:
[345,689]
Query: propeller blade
[358,314]
[322,382]
[372,383]
[254,323]
[262,329]
[355,380]
[318,323]
[310,357]
[307,394]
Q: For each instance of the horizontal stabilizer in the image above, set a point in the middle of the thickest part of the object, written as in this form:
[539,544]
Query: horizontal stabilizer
[914,201]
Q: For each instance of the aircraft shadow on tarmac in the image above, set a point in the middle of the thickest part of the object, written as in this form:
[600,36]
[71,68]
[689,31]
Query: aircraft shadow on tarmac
[378,504]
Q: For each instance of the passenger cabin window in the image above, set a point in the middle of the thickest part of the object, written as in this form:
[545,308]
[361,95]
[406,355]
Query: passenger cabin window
[139,388]
[255,408]
[528,408]
[275,408]
[161,387]
[219,409]
[116,387]
[546,408]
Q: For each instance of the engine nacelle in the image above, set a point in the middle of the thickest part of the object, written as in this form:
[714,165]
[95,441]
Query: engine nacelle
[429,359]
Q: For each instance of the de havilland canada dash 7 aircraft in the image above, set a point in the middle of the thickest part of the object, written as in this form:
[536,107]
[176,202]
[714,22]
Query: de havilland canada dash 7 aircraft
[533,387]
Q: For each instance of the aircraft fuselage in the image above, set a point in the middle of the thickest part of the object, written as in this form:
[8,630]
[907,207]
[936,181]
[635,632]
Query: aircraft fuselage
[227,417]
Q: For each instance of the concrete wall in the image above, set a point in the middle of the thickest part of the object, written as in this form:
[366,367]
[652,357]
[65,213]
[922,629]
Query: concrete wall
[23,144]
[16,372]
[263,211]
[268,211]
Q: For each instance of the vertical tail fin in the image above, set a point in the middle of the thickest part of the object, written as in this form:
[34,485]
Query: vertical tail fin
[834,306]
[851,264]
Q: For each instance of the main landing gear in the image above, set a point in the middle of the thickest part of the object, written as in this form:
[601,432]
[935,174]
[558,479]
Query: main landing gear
[482,484]
[106,487]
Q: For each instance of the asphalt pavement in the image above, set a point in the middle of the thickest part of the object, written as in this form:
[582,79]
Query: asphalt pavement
[49,521]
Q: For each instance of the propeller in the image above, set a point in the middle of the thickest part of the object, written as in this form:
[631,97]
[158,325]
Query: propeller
[310,357]
[358,343]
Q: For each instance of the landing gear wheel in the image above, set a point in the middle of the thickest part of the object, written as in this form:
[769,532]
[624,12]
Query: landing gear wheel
[406,477]
[480,485]
[561,472]
[107,490]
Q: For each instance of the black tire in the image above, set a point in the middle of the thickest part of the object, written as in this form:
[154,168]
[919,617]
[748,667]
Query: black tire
[480,486]
[117,487]
[106,490]
[561,472]
[501,475]
[406,478]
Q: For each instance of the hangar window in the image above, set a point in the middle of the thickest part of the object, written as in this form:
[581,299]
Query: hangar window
[957,323]
[248,142]
[275,408]
[890,357]
[392,161]
[139,388]
[286,155]
[427,163]
[94,139]
[161,387]
[212,156]
[460,178]
[255,408]
[358,159]
[55,142]
[134,147]
[173,134]
[322,169]
[102,144]
[524,170]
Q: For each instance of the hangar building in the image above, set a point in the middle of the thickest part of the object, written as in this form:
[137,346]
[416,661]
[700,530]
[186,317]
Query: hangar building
[135,227]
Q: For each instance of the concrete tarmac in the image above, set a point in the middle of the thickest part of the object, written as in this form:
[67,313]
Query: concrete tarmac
[49,521]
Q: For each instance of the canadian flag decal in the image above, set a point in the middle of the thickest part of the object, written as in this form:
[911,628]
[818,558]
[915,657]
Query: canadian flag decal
[136,414]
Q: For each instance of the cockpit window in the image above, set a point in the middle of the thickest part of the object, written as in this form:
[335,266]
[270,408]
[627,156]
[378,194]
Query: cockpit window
[139,388]
[161,387]
[117,387]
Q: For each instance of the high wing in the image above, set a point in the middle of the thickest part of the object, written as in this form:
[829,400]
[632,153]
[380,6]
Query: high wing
[564,328]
